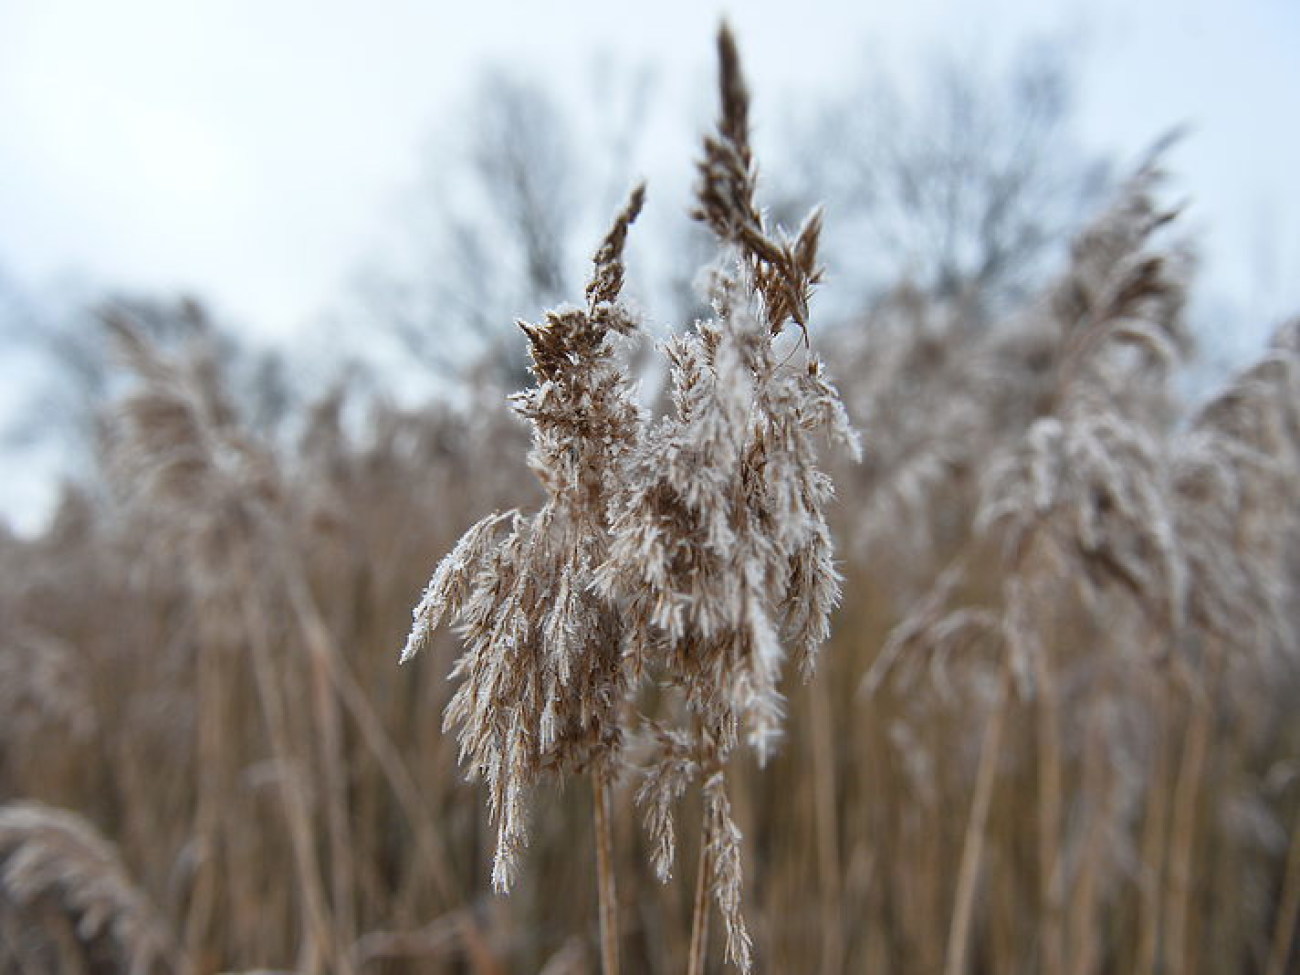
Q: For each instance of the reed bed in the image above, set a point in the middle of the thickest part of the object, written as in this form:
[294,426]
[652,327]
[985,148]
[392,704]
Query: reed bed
[1052,728]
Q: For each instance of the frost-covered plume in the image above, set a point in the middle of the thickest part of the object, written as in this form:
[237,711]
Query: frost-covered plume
[718,532]
[692,550]
[1076,516]
[719,540]
[1237,483]
[1085,494]
[542,676]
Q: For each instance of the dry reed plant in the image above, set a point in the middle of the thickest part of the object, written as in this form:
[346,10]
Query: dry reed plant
[1110,576]
[1056,731]
[1081,512]
[720,547]
[1237,478]
[68,905]
[690,550]
[210,493]
[181,452]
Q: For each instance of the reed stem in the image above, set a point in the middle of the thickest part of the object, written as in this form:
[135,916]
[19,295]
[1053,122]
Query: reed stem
[700,912]
[973,846]
[605,884]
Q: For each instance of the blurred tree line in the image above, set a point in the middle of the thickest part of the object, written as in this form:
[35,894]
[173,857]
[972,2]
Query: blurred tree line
[963,181]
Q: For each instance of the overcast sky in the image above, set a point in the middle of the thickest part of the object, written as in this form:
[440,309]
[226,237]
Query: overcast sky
[247,148]
[250,150]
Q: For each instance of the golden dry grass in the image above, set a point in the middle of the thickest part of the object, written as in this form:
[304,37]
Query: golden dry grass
[1053,730]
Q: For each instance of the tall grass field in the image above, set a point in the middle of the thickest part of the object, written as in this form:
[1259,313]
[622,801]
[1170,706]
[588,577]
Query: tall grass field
[918,645]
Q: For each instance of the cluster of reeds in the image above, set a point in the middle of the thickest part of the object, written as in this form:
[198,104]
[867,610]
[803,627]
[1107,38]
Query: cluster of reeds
[66,902]
[283,796]
[1079,628]
[684,553]
[1054,728]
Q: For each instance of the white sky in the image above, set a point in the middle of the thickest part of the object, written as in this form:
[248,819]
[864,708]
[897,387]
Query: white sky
[247,148]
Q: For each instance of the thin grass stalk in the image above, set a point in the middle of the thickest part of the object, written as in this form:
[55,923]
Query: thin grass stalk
[1005,945]
[429,842]
[1050,833]
[928,860]
[431,848]
[605,882]
[1096,786]
[972,853]
[1187,799]
[1222,934]
[699,949]
[148,824]
[867,886]
[329,743]
[317,949]
[917,917]
[822,741]
[1155,833]
[212,737]
[1289,910]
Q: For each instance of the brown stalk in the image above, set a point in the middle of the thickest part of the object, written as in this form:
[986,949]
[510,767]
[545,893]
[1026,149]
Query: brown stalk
[1154,842]
[1083,917]
[207,816]
[1050,833]
[431,847]
[976,827]
[1183,829]
[605,884]
[1288,914]
[822,746]
[328,732]
[317,949]
[700,911]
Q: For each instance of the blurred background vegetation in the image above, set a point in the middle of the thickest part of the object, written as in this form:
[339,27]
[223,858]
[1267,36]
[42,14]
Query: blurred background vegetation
[1060,693]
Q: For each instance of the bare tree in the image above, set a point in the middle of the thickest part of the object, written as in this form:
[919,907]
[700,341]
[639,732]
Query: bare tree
[964,184]
[485,233]
[493,229]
